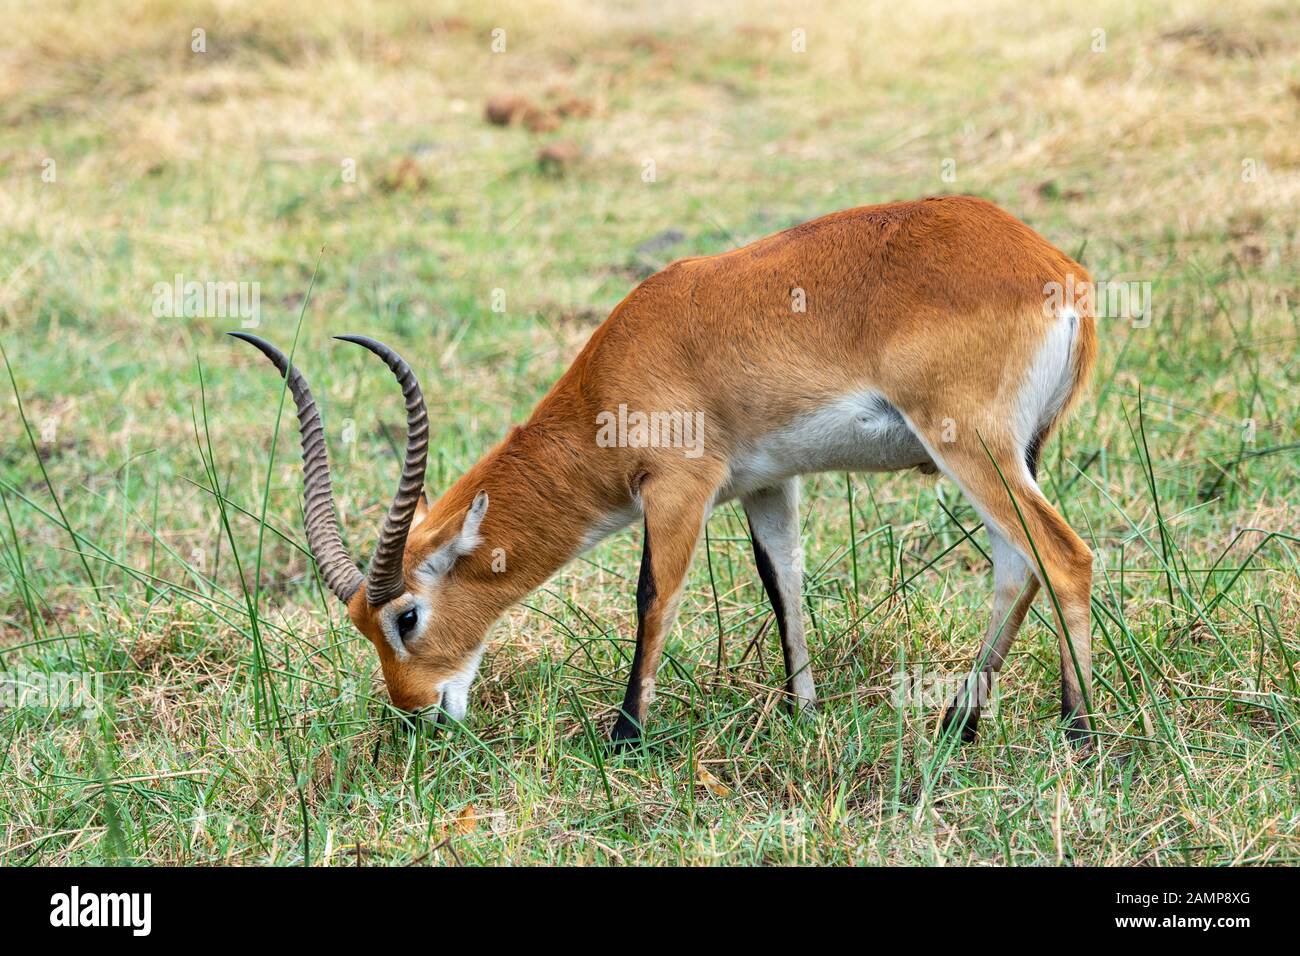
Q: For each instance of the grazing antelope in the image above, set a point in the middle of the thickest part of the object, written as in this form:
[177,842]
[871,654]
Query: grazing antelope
[906,335]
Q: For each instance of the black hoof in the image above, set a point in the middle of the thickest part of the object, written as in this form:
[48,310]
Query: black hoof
[625,735]
[797,706]
[1078,733]
[967,720]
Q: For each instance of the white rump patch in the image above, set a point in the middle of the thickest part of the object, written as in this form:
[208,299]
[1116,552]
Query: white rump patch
[1048,383]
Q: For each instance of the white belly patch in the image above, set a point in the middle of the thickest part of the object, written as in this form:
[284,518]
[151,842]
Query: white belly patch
[861,432]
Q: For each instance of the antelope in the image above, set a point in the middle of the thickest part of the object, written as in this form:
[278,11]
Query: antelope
[906,335]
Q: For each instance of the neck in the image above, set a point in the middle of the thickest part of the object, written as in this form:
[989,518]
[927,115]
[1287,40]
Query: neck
[544,499]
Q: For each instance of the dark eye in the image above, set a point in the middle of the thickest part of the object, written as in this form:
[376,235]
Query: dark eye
[406,622]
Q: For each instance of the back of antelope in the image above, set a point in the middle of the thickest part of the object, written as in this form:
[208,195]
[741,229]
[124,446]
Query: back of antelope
[909,335]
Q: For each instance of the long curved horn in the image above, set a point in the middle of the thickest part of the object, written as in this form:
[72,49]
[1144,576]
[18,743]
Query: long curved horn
[384,580]
[338,570]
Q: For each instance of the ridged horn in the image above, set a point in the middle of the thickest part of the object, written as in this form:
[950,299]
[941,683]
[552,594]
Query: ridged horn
[338,570]
[384,579]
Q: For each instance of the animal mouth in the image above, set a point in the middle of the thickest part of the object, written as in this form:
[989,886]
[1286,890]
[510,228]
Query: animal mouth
[426,714]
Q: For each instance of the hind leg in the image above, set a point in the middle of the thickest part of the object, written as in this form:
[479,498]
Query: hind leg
[992,472]
[1014,589]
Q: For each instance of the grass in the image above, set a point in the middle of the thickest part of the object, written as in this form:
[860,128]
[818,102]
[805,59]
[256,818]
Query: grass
[239,717]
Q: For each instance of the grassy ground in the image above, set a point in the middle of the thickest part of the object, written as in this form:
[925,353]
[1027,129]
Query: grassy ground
[1164,150]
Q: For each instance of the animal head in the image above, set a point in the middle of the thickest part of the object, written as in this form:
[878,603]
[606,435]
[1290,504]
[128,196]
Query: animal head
[420,601]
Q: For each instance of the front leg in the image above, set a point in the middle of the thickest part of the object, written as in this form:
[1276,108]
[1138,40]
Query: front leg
[773,515]
[675,509]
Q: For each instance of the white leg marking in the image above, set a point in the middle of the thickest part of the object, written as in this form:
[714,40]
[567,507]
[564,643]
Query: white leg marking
[1010,576]
[774,520]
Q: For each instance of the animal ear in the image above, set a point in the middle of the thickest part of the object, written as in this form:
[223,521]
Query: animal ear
[421,510]
[473,518]
[463,542]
